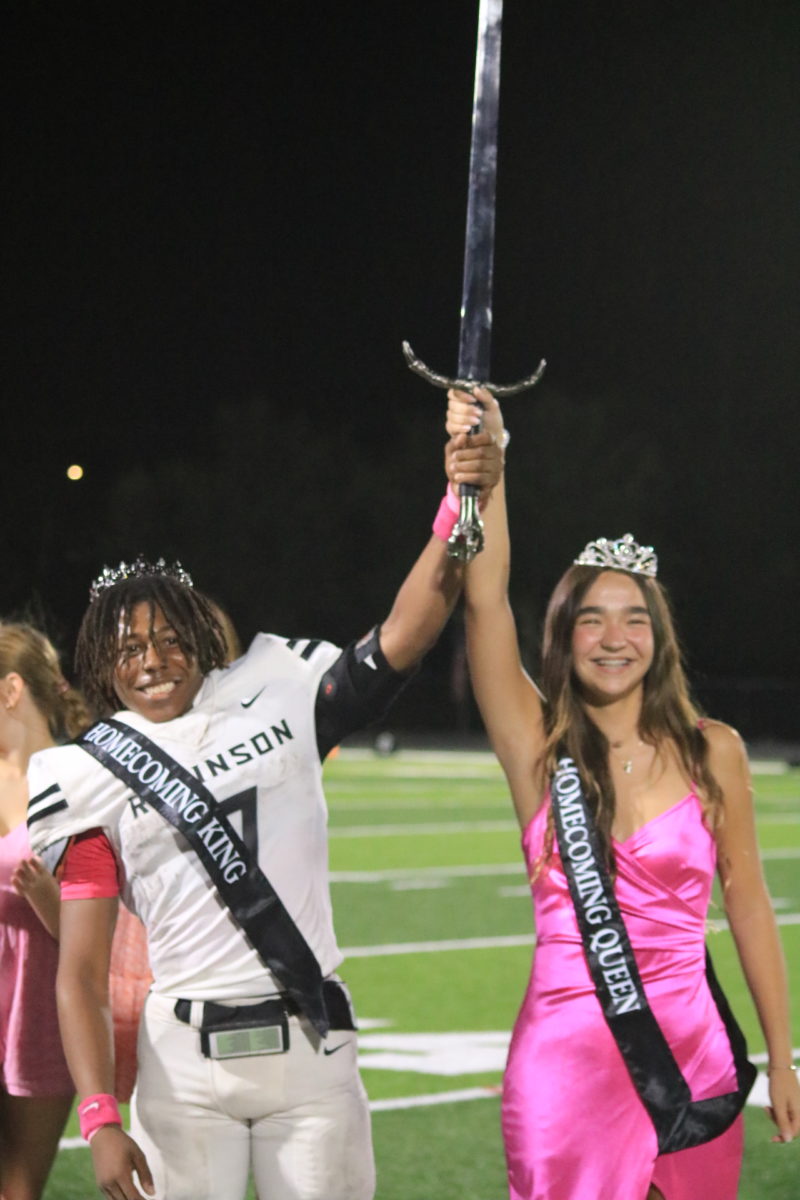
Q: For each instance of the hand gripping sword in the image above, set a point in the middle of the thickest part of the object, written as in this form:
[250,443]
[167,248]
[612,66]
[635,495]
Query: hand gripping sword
[466,540]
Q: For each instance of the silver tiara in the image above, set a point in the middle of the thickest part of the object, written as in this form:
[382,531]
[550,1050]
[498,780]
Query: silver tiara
[623,555]
[109,576]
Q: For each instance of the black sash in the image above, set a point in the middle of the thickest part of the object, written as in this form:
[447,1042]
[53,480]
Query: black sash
[191,808]
[679,1121]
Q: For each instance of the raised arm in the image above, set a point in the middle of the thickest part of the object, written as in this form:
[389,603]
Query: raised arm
[429,592]
[509,701]
[752,923]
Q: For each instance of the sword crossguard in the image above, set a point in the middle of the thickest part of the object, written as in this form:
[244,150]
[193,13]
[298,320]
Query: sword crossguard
[466,540]
[466,385]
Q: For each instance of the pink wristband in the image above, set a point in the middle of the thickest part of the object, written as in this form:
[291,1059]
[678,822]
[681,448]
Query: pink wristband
[96,1111]
[447,515]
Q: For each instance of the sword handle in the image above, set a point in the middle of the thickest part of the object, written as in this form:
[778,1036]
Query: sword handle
[466,540]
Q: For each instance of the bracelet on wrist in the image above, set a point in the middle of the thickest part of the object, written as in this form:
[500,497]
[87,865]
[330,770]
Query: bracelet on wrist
[791,1067]
[447,515]
[96,1111]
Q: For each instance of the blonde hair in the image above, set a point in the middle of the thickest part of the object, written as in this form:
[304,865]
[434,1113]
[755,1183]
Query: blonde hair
[27,652]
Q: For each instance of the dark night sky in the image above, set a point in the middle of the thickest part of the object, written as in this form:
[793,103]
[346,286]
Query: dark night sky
[222,220]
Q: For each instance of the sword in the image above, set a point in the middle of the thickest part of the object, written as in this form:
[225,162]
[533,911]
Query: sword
[466,540]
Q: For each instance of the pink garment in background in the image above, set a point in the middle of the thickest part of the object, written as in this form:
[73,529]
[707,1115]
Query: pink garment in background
[32,1062]
[129,982]
[90,870]
[574,1127]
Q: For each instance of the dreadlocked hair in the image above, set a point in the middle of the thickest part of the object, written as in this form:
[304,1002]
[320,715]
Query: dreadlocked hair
[199,633]
[28,652]
[668,712]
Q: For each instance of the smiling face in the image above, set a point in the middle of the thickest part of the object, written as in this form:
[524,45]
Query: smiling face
[612,639]
[153,676]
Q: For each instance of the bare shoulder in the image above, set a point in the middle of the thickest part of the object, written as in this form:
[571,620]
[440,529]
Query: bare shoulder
[727,758]
[725,745]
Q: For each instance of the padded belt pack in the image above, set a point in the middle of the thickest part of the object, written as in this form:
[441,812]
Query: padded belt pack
[234,1031]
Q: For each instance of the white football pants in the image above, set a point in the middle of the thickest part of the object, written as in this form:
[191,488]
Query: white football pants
[299,1121]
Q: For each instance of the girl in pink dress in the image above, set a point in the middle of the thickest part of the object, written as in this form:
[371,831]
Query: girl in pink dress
[37,706]
[667,800]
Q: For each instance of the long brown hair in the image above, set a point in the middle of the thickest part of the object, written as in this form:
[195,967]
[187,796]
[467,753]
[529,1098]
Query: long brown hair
[668,711]
[26,651]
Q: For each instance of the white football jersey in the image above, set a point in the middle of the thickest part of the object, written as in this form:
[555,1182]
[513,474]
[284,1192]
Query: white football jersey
[252,739]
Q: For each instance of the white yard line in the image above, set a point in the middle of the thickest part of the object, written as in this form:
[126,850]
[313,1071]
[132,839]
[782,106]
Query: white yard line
[431,828]
[464,871]
[450,872]
[484,943]
[758,1097]
[490,943]
[354,754]
[431,1098]
[410,803]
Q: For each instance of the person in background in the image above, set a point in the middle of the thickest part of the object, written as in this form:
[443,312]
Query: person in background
[37,709]
[626,1073]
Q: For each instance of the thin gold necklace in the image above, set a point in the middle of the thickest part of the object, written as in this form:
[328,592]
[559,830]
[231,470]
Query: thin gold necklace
[627,763]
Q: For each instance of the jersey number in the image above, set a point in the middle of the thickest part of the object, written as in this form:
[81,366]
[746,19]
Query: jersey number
[245,803]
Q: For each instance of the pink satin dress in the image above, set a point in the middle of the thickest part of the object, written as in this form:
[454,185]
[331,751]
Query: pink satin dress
[574,1127]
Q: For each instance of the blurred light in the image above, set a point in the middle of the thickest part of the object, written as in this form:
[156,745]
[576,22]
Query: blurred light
[75,472]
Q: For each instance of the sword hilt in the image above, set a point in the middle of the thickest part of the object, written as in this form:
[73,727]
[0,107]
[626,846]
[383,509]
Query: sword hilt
[466,540]
[466,385]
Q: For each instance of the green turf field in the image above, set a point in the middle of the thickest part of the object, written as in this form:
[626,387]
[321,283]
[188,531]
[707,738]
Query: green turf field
[434,915]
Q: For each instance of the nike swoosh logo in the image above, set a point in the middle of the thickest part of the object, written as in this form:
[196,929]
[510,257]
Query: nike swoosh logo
[341,1046]
[89,1107]
[252,700]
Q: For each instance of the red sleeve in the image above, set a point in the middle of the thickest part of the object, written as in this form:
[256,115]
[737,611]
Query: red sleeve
[89,868]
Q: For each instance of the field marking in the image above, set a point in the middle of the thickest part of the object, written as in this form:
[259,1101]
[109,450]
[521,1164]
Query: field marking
[415,803]
[422,829]
[354,754]
[759,1096]
[465,871]
[450,872]
[500,942]
[411,770]
[355,831]
[432,1098]
[482,943]
[759,766]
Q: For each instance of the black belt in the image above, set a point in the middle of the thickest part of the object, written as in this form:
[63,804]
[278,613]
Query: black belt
[269,1011]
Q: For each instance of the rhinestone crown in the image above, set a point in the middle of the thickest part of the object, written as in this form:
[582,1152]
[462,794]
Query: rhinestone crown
[109,576]
[625,554]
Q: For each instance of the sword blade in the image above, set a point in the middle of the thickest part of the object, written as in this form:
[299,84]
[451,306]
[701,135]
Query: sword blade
[475,338]
[476,296]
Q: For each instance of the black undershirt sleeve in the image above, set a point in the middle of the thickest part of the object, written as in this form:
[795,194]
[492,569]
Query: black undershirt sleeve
[355,691]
